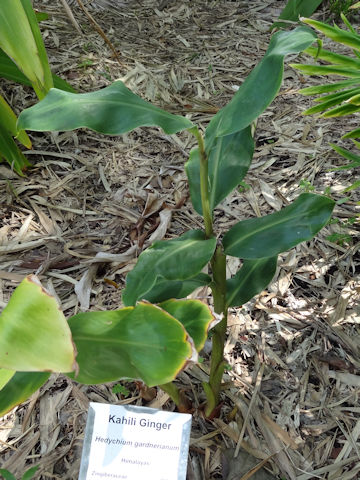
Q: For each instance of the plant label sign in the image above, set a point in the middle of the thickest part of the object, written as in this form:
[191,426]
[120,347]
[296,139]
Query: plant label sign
[129,443]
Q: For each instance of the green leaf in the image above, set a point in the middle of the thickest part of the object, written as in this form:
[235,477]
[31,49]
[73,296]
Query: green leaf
[354,159]
[279,231]
[335,33]
[62,84]
[352,187]
[179,259]
[331,57]
[41,16]
[6,474]
[28,475]
[194,315]
[11,153]
[47,83]
[331,100]
[19,388]
[341,111]
[327,70]
[331,87]
[20,38]
[5,376]
[10,71]
[252,278]
[353,134]
[260,87]
[166,289]
[355,99]
[295,9]
[118,388]
[229,161]
[113,110]
[8,148]
[34,335]
[8,122]
[325,98]
[142,342]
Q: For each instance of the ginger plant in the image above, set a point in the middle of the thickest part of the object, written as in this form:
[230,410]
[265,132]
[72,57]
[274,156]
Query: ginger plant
[158,331]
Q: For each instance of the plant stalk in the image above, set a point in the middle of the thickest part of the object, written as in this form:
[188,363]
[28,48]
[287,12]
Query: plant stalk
[176,396]
[204,183]
[218,286]
[217,364]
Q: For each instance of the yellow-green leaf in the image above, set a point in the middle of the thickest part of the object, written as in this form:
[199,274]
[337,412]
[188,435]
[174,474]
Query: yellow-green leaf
[8,121]
[34,334]
[19,43]
[143,342]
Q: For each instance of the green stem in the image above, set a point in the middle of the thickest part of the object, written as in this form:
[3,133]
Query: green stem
[204,183]
[174,393]
[217,364]
[218,286]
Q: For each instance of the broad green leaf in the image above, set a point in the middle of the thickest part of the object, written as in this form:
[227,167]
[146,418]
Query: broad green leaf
[334,99]
[194,315]
[5,376]
[354,159]
[229,161]
[166,289]
[335,33]
[6,474]
[142,342]
[295,9]
[327,70]
[28,475]
[11,153]
[331,57]
[10,71]
[260,87]
[179,259]
[19,388]
[270,235]
[34,335]
[252,278]
[8,121]
[331,87]
[113,110]
[17,29]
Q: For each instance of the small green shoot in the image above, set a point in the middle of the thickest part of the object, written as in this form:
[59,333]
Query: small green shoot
[306,186]
[86,63]
[120,390]
[339,238]
[28,475]
[243,187]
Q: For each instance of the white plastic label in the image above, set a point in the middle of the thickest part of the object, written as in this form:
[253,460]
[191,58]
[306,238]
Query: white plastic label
[129,443]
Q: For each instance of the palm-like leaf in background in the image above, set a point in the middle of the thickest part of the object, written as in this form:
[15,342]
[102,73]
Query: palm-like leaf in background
[339,98]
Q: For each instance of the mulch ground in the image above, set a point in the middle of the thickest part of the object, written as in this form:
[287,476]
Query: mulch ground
[291,394]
